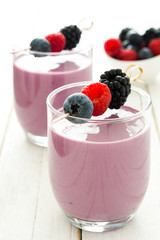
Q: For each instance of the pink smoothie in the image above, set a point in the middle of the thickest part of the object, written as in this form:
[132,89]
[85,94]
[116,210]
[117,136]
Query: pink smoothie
[35,78]
[100,172]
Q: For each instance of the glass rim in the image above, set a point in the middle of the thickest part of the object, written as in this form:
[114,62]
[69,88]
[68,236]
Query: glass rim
[108,120]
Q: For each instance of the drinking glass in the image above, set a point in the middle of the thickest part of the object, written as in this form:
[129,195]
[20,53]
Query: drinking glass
[99,169]
[37,74]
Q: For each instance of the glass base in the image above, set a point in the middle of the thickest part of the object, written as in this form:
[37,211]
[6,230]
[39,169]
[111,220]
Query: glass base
[41,141]
[99,226]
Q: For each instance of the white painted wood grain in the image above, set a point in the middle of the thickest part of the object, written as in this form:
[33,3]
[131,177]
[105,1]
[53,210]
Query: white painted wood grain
[20,166]
[6,93]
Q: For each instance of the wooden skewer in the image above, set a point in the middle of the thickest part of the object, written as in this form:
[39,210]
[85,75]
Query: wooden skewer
[20,50]
[84,24]
[131,69]
[61,117]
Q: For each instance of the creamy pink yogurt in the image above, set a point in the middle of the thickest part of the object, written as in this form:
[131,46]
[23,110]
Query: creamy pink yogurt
[35,78]
[100,172]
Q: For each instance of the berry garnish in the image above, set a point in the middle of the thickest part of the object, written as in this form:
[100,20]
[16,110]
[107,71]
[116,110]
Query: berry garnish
[66,39]
[132,46]
[57,41]
[134,37]
[149,34]
[78,105]
[72,34]
[145,53]
[122,35]
[40,45]
[112,46]
[127,45]
[127,55]
[119,85]
[100,96]
[154,46]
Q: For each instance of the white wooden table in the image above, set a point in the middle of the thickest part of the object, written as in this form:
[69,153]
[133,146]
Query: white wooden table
[28,210]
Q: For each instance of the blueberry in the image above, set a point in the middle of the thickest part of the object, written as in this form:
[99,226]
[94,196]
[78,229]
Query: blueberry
[134,47]
[78,105]
[145,53]
[134,37]
[126,44]
[40,45]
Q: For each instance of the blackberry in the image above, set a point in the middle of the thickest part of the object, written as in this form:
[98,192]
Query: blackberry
[158,33]
[149,35]
[122,35]
[119,85]
[72,34]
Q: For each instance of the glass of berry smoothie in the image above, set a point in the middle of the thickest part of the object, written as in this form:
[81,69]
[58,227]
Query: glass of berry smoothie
[99,167]
[36,74]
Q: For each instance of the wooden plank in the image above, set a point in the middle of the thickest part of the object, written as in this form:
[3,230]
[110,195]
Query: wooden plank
[50,223]
[6,96]
[20,165]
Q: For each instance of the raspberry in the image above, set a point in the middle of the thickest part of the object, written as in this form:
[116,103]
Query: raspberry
[72,34]
[119,85]
[127,55]
[100,96]
[57,41]
[154,46]
[112,46]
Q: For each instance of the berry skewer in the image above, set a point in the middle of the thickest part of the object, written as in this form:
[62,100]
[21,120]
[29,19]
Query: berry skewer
[66,39]
[93,100]
[111,92]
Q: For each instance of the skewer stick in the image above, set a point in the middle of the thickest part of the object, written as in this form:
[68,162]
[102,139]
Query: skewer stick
[61,117]
[131,69]
[20,50]
[84,24]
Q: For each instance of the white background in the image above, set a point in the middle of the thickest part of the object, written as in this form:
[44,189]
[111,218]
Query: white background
[21,21]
